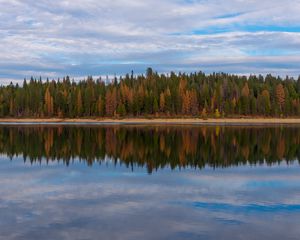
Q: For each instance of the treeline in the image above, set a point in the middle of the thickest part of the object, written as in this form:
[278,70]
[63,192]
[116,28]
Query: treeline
[195,94]
[153,147]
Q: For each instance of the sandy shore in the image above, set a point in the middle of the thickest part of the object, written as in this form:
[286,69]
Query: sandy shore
[222,121]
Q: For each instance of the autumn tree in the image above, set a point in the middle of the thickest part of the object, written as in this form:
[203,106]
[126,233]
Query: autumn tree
[186,103]
[280,96]
[162,102]
[79,103]
[111,102]
[48,103]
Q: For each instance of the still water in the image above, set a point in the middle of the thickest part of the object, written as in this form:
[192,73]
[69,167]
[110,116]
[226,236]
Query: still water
[140,182]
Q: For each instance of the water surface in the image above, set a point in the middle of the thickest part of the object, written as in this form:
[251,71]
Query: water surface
[141,182]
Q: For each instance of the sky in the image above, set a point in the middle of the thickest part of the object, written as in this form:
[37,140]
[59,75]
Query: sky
[54,38]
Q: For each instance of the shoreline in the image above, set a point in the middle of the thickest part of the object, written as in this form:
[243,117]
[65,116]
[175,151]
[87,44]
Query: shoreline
[155,121]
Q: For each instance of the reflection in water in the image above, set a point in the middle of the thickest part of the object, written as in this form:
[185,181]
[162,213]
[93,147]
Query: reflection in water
[154,147]
[73,201]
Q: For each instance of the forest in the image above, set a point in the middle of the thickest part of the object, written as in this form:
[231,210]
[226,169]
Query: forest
[154,95]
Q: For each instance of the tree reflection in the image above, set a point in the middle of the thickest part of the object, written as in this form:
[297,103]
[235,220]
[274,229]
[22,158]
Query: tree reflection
[153,147]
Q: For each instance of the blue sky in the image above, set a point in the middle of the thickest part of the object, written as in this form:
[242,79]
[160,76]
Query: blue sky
[91,37]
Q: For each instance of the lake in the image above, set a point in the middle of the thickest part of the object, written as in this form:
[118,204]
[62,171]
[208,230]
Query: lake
[149,182]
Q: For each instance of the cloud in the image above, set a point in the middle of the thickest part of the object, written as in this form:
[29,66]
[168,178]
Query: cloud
[56,38]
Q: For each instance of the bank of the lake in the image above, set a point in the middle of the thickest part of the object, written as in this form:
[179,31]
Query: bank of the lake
[150,121]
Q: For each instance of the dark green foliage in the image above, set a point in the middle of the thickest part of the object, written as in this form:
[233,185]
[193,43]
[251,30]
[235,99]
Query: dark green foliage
[153,94]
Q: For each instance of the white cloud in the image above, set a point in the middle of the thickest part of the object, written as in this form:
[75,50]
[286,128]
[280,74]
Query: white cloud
[42,37]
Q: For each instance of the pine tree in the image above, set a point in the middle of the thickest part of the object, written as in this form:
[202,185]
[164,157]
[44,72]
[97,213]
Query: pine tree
[121,110]
[168,99]
[100,106]
[194,103]
[264,102]
[155,105]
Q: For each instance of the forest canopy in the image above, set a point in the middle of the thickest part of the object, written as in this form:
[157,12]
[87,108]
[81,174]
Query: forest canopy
[157,95]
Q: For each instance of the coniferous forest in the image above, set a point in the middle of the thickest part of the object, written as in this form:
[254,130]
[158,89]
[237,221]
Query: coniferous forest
[157,95]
